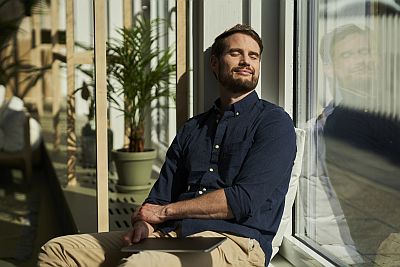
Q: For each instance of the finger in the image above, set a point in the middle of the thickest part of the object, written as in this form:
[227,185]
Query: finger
[137,210]
[137,235]
[145,234]
[127,237]
[136,218]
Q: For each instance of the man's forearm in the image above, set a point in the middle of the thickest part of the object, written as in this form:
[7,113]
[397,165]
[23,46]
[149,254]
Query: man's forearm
[213,205]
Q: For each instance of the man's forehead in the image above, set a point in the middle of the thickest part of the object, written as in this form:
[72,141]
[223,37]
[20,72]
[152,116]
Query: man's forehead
[350,41]
[240,39]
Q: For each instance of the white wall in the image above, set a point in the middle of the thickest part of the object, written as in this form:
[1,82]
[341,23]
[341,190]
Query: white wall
[270,60]
[209,18]
[115,21]
[83,34]
[115,14]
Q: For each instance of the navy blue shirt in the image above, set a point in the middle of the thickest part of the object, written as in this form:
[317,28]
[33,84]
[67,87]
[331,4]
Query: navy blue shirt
[248,151]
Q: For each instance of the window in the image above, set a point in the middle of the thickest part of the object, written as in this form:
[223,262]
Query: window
[348,95]
[159,121]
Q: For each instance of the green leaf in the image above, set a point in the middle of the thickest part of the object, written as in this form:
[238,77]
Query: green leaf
[141,69]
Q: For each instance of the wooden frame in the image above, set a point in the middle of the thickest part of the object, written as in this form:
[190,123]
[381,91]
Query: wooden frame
[182,85]
[101,114]
[73,58]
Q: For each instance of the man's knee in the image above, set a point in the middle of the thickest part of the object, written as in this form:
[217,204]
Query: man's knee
[51,253]
[68,250]
[82,250]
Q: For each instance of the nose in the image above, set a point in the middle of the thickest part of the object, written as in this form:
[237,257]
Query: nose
[244,61]
[361,61]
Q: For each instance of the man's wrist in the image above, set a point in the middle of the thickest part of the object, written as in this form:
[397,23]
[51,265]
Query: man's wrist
[169,212]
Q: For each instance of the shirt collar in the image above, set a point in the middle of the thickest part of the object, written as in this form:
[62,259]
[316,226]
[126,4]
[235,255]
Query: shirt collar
[242,106]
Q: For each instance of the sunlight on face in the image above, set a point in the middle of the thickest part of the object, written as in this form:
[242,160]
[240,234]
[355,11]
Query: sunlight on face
[353,61]
[238,68]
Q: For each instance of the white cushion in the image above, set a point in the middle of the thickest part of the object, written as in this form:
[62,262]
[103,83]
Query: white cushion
[2,94]
[15,104]
[291,194]
[35,132]
[12,122]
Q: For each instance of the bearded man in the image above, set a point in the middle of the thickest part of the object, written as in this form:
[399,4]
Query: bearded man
[226,174]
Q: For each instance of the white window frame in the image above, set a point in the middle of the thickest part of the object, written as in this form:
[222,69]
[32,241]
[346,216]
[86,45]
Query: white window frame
[291,249]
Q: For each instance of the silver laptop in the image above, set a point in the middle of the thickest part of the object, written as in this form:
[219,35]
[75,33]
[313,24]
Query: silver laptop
[188,244]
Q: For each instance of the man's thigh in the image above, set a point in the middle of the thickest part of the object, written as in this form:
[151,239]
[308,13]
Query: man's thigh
[83,250]
[235,251]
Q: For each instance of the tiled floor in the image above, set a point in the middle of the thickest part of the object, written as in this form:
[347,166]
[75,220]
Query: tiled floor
[368,188]
[82,197]
[48,225]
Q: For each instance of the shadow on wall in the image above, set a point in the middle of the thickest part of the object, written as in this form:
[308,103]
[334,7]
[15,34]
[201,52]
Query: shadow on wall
[210,83]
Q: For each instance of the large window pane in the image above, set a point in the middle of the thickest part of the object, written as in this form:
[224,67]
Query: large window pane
[348,101]
[126,192]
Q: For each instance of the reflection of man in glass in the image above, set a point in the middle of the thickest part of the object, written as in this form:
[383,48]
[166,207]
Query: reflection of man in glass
[350,65]
[349,62]
[362,140]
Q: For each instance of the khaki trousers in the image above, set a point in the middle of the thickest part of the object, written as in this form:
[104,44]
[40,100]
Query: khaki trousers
[103,249]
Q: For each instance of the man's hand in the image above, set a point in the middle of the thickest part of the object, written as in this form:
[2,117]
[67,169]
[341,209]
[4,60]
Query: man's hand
[150,213]
[213,205]
[139,231]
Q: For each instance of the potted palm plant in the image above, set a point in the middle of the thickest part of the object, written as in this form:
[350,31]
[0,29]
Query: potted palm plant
[140,73]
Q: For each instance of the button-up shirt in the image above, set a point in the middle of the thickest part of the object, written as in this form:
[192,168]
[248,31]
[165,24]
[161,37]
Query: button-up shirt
[248,151]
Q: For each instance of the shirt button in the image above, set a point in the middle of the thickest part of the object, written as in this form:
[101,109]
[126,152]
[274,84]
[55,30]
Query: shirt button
[237,113]
[216,121]
[211,169]
[200,192]
[216,146]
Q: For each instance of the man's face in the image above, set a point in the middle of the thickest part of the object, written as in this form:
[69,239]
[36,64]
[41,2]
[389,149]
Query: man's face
[238,67]
[353,63]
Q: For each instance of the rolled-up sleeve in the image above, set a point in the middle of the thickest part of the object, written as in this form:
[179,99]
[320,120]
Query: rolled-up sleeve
[266,168]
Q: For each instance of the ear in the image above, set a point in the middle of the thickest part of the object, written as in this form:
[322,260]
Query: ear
[214,64]
[328,70]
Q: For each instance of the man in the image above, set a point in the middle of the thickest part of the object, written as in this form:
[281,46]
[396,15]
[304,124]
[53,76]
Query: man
[353,137]
[355,115]
[349,65]
[226,174]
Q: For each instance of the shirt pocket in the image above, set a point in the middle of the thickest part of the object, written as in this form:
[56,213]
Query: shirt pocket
[197,158]
[267,206]
[232,158]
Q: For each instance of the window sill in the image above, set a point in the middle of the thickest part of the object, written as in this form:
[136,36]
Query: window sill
[298,254]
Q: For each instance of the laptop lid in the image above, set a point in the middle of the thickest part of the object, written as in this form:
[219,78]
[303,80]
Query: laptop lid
[188,244]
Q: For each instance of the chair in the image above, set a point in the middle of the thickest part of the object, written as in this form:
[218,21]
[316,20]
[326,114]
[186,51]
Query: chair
[291,194]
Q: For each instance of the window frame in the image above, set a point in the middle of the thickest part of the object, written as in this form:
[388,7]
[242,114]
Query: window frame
[296,19]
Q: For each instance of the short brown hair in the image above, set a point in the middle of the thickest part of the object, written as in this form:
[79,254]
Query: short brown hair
[219,45]
[330,39]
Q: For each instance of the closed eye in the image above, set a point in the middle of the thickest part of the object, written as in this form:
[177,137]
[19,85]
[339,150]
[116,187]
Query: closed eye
[234,53]
[254,55]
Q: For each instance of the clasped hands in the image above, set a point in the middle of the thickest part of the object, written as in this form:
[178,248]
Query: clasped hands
[142,222]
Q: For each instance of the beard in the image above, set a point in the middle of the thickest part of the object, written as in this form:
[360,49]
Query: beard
[236,85]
